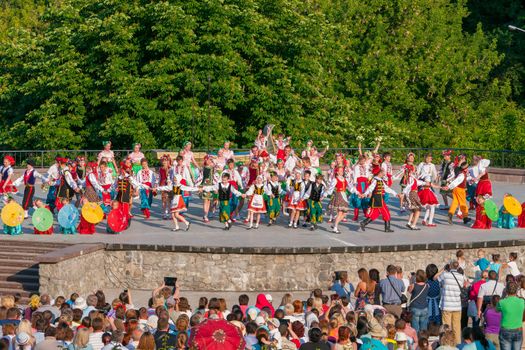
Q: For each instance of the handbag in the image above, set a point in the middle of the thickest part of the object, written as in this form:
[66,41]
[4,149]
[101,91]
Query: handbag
[401,297]
[463,292]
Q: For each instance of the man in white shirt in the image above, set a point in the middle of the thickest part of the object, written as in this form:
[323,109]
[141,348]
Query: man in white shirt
[95,338]
[487,290]
[451,282]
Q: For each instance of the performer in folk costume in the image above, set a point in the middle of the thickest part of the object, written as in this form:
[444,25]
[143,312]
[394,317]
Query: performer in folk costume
[136,158]
[361,176]
[340,161]
[29,179]
[146,177]
[482,221]
[225,190]
[376,191]
[106,180]
[70,230]
[296,204]
[314,195]
[261,141]
[314,155]
[107,155]
[446,175]
[505,219]
[290,160]
[428,200]
[237,183]
[38,203]
[404,173]
[6,172]
[307,165]
[81,167]
[220,161]
[253,171]
[338,187]
[480,175]
[53,174]
[256,205]
[12,230]
[273,202]
[521,218]
[426,170]
[209,178]
[307,182]
[189,161]
[183,170]
[66,185]
[84,227]
[265,164]
[459,194]
[177,185]
[227,152]
[387,168]
[92,187]
[411,199]
[165,175]
[124,187]
[281,144]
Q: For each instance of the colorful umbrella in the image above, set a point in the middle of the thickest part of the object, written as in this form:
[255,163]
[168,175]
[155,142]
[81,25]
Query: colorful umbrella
[216,335]
[92,213]
[68,216]
[491,209]
[42,219]
[117,221]
[12,214]
[512,205]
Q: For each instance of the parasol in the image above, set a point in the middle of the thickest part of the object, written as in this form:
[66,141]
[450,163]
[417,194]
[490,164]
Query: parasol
[12,214]
[42,219]
[216,334]
[68,216]
[512,206]
[491,210]
[117,221]
[92,213]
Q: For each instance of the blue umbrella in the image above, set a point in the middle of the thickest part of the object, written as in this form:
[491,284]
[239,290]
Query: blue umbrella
[68,216]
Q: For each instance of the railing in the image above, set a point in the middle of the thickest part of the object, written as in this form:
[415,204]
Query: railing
[499,158]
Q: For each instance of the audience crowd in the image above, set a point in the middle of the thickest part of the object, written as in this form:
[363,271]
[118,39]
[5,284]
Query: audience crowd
[437,308]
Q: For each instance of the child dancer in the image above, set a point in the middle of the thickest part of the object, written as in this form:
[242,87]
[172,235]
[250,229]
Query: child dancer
[183,170]
[67,231]
[521,218]
[274,191]
[428,201]
[225,190]
[146,177]
[52,178]
[106,180]
[124,184]
[307,174]
[281,144]
[296,188]
[446,174]
[376,191]
[411,199]
[482,221]
[84,227]
[505,219]
[164,176]
[177,187]
[38,203]
[29,178]
[209,178]
[314,196]
[6,173]
[91,184]
[67,186]
[256,205]
[361,176]
[236,182]
[459,195]
[404,173]
[338,187]
[115,206]
[12,230]
[386,166]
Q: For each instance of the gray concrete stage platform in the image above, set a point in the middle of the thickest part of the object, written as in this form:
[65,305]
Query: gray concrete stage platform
[158,231]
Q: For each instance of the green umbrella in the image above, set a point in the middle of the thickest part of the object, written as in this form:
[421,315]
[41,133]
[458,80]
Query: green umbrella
[491,209]
[42,219]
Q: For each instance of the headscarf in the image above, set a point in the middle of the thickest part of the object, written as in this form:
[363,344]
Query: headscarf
[263,302]
[105,143]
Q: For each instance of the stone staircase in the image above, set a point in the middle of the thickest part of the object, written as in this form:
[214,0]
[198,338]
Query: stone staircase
[19,266]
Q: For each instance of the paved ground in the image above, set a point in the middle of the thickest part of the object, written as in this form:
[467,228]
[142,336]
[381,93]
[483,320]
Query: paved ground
[158,231]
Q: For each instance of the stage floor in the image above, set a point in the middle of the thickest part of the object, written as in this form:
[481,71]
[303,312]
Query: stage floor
[158,231]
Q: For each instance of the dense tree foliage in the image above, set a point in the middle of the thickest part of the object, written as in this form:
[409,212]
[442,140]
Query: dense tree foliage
[421,73]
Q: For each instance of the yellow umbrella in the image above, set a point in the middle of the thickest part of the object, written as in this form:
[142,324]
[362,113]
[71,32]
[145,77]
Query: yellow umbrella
[512,206]
[12,214]
[92,213]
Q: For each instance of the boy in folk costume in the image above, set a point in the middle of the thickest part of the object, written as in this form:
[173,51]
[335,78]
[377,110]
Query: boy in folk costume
[124,187]
[164,176]
[404,173]
[6,173]
[376,191]
[411,199]
[274,191]
[209,178]
[446,175]
[225,190]
[426,170]
[67,186]
[314,196]
[459,192]
[180,168]
[361,178]
[237,183]
[338,187]
[51,179]
[256,205]
[106,181]
[296,204]
[307,175]
[178,186]
[29,179]
[146,177]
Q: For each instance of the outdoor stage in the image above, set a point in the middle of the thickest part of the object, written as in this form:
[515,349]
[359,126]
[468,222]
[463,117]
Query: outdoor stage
[156,231]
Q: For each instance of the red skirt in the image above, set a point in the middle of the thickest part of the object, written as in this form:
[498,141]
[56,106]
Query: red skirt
[482,221]
[301,205]
[9,188]
[521,218]
[48,232]
[85,227]
[177,205]
[484,187]
[427,197]
[259,208]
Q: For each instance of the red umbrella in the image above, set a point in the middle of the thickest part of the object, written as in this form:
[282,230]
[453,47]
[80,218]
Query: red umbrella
[117,220]
[216,335]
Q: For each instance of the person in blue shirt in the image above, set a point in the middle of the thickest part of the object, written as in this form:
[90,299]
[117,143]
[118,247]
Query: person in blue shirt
[342,286]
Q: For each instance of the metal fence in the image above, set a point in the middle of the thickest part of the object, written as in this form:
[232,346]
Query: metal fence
[499,158]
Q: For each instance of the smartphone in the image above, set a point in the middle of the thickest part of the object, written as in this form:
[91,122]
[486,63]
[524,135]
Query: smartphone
[170,281]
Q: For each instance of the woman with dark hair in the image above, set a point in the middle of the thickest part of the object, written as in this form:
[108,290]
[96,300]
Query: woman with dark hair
[344,339]
[373,275]
[102,305]
[434,294]
[365,290]
[315,336]
[480,340]
[418,301]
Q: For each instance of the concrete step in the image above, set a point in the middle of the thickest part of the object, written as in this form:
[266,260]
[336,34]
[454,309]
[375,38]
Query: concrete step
[9,291]
[19,277]
[36,244]
[8,269]
[17,262]
[26,286]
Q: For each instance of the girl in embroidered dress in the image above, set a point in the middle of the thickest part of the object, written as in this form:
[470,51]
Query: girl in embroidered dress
[227,152]
[429,201]
[189,161]
[177,185]
[281,144]
[92,189]
[164,175]
[209,178]
[107,155]
[404,173]
[296,204]
[6,173]
[339,187]
[51,179]
[256,204]
[146,177]
[136,158]
[411,199]
[106,179]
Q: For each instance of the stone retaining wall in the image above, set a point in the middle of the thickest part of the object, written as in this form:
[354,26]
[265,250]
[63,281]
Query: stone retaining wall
[205,270]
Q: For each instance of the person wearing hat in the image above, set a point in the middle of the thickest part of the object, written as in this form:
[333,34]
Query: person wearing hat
[6,174]
[67,186]
[296,189]
[273,330]
[28,178]
[124,184]
[339,202]
[146,177]
[23,341]
[376,191]
[314,196]
[404,173]
[51,179]
[446,174]
[237,182]
[256,204]
[459,192]
[274,192]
